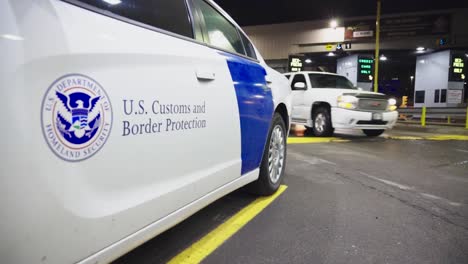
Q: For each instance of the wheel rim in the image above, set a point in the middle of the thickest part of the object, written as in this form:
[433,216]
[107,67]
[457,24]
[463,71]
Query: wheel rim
[276,154]
[320,122]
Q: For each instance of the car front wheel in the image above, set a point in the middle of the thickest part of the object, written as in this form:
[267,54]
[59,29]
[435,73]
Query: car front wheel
[273,161]
[322,123]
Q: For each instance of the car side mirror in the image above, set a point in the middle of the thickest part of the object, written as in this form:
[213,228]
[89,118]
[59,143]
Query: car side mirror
[299,86]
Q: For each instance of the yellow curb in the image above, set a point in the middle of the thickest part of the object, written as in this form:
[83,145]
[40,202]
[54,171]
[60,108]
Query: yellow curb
[207,244]
[305,140]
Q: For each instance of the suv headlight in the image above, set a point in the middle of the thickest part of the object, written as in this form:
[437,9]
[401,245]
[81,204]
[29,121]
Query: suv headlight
[347,101]
[391,104]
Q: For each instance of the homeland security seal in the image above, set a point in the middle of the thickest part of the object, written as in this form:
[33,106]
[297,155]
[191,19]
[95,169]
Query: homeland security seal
[76,117]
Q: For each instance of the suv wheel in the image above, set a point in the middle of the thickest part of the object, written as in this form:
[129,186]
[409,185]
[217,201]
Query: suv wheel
[273,161]
[322,122]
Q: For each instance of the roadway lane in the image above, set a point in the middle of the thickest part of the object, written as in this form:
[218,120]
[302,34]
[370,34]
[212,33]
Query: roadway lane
[369,200]
[365,201]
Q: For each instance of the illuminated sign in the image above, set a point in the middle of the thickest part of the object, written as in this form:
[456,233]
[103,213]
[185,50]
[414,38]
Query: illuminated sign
[457,68]
[296,63]
[365,69]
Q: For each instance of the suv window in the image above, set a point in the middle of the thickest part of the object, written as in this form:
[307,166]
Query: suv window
[330,81]
[221,33]
[249,48]
[170,15]
[298,78]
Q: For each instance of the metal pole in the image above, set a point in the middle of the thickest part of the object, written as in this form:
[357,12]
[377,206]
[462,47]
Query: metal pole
[377,47]
[423,116]
[466,125]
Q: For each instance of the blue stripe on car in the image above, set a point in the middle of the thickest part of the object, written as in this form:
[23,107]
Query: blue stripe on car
[255,103]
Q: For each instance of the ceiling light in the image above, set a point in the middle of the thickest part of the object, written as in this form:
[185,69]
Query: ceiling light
[333,23]
[420,49]
[11,37]
[383,58]
[308,61]
[112,2]
[331,54]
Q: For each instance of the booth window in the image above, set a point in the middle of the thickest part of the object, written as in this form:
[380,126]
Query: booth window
[436,96]
[443,96]
[420,97]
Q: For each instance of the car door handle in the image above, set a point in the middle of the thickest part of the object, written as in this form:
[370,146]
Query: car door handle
[205,75]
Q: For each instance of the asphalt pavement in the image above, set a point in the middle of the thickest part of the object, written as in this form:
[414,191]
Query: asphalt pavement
[360,200]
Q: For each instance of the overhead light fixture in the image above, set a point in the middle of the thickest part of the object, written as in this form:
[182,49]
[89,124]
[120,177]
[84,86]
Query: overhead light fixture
[411,77]
[420,49]
[383,58]
[334,24]
[112,2]
[308,61]
[331,54]
[11,37]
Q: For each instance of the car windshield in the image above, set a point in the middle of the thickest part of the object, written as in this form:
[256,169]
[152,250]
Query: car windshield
[330,81]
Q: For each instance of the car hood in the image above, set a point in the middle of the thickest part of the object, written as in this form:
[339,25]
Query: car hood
[357,93]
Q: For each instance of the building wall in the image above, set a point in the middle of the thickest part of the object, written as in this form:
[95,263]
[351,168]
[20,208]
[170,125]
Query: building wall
[347,67]
[432,73]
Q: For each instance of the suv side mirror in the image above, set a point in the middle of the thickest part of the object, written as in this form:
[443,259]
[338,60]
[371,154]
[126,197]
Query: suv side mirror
[299,86]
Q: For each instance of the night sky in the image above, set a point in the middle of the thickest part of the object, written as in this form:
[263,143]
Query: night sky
[257,12]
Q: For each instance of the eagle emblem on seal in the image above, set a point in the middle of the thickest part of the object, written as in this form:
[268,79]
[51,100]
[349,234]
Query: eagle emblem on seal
[78,117]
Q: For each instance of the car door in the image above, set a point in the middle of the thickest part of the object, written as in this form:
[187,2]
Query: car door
[165,131]
[254,97]
[299,110]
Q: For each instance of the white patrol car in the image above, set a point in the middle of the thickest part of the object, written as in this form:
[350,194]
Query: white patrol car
[325,101]
[122,118]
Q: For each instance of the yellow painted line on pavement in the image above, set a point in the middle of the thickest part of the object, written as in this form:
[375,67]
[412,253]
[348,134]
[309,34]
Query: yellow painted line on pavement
[405,137]
[207,244]
[436,137]
[305,140]
[448,137]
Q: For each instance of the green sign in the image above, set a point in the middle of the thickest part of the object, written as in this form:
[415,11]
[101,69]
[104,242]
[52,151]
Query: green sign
[457,68]
[365,69]
[295,63]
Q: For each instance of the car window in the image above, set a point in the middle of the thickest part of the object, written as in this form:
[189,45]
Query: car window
[249,48]
[170,15]
[330,81]
[221,33]
[297,78]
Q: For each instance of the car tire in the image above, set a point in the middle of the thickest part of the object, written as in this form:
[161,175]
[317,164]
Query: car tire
[322,122]
[309,131]
[273,161]
[373,132]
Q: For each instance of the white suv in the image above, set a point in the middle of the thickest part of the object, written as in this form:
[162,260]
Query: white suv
[123,117]
[325,101]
